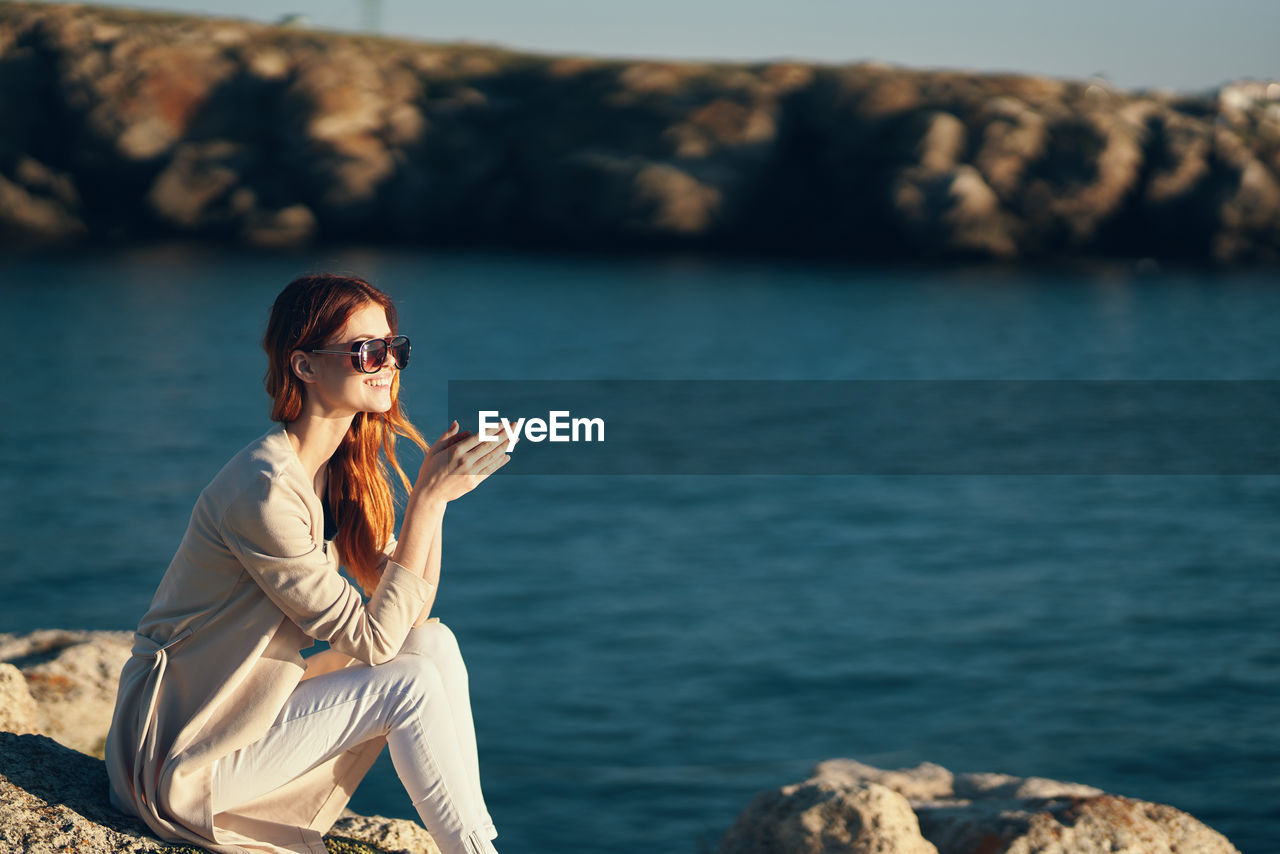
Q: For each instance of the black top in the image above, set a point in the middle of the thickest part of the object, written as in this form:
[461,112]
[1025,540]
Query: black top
[330,520]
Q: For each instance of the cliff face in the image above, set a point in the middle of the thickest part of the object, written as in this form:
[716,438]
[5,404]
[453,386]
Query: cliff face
[120,126]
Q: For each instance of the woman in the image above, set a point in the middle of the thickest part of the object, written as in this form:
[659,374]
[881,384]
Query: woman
[223,735]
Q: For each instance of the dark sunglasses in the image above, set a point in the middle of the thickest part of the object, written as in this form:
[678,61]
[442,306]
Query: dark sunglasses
[369,356]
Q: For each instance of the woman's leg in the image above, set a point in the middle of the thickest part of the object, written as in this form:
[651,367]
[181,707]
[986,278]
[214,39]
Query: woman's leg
[404,699]
[437,642]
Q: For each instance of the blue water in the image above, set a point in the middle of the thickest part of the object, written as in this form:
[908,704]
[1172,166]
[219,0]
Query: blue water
[648,652]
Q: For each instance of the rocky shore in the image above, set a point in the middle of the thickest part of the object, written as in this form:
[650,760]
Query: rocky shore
[57,690]
[853,808]
[123,126]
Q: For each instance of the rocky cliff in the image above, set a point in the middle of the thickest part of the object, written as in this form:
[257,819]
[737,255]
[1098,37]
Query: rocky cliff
[123,126]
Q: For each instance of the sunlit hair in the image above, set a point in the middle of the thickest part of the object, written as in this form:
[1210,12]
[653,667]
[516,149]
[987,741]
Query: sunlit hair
[306,315]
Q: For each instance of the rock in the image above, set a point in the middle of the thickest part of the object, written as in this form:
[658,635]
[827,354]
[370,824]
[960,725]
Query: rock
[1181,151]
[72,676]
[783,77]
[1013,137]
[1067,823]
[288,227]
[844,807]
[1250,199]
[723,123]
[129,125]
[924,782]
[17,708]
[643,197]
[389,834]
[339,107]
[150,96]
[816,817]
[193,189]
[54,799]
[654,78]
[673,200]
[944,203]
[943,143]
[34,216]
[1091,165]
[53,794]
[954,211]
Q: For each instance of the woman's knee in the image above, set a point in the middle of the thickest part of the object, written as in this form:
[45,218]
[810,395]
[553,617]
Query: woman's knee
[414,678]
[433,640]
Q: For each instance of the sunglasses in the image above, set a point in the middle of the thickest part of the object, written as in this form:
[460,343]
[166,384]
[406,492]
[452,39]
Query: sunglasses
[369,356]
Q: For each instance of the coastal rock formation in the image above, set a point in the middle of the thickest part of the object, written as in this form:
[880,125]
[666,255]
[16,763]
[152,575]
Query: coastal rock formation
[815,817]
[53,799]
[57,692]
[851,807]
[71,678]
[122,125]
[17,707]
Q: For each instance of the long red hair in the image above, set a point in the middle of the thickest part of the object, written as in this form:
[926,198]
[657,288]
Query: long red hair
[307,313]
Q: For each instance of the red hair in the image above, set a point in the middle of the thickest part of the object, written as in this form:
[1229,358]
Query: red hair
[309,311]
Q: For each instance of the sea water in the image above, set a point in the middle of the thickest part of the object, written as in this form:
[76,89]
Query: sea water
[648,652]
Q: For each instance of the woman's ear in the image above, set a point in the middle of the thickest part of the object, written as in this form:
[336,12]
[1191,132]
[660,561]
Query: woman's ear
[300,364]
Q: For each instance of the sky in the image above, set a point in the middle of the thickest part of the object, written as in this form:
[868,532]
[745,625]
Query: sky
[1183,45]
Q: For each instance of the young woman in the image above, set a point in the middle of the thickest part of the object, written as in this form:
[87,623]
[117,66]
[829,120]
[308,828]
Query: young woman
[223,735]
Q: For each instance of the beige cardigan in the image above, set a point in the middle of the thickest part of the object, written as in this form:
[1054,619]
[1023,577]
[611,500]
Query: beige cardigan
[219,651]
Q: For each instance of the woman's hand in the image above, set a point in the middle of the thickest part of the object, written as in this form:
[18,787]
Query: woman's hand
[453,466]
[458,461]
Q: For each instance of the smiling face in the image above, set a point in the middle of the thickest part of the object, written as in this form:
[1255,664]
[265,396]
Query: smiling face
[334,385]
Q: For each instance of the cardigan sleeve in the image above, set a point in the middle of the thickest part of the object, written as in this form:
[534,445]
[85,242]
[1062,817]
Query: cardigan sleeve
[387,551]
[268,528]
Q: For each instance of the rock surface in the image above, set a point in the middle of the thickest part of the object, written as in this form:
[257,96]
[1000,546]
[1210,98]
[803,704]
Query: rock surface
[57,693]
[18,713]
[123,125]
[72,678]
[853,808]
[819,817]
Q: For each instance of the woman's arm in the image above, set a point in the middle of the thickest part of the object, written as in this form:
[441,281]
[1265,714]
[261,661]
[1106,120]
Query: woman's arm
[433,569]
[327,661]
[330,660]
[268,528]
[418,547]
[453,466]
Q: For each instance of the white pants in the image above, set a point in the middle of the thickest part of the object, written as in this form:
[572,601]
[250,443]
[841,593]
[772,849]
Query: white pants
[418,700]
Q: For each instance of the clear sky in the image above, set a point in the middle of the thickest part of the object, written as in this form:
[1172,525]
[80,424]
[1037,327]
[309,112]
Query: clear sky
[1175,44]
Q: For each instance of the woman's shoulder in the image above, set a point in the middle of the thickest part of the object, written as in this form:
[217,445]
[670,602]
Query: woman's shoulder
[261,469]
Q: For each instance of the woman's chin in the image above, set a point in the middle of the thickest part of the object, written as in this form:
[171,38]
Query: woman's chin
[383,405]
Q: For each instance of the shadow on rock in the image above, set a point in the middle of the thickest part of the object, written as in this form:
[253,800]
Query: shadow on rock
[59,775]
[53,798]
